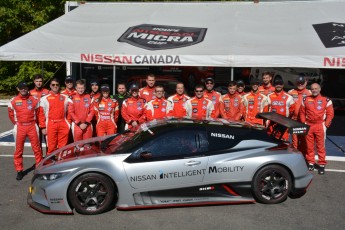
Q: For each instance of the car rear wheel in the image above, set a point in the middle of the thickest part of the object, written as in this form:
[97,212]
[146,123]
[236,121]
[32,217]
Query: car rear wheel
[271,184]
[91,194]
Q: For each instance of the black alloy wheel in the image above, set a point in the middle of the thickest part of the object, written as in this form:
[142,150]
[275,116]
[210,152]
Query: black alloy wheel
[92,193]
[271,184]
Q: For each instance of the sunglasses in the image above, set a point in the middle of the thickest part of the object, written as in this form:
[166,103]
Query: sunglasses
[199,91]
[209,83]
[69,82]
[54,84]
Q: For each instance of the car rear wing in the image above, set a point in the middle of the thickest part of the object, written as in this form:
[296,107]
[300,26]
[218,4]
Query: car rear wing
[281,123]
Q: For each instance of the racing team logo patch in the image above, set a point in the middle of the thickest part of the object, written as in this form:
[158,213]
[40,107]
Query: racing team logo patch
[159,37]
[332,34]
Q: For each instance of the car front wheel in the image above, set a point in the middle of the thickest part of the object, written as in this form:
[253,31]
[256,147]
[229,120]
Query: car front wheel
[271,184]
[92,193]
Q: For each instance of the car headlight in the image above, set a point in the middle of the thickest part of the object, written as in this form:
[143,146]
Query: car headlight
[50,176]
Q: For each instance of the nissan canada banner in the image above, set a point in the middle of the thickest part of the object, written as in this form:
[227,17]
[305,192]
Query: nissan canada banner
[159,37]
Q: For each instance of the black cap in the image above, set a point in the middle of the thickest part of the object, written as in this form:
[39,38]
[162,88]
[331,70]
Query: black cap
[105,87]
[209,79]
[133,87]
[255,81]
[22,85]
[278,81]
[69,78]
[300,79]
[94,82]
[240,83]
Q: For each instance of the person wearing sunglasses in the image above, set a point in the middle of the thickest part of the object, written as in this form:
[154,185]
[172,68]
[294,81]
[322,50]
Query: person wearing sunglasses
[53,117]
[282,103]
[22,111]
[300,92]
[199,107]
[69,90]
[212,95]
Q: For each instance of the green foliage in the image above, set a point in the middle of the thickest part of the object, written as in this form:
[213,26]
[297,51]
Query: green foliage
[18,18]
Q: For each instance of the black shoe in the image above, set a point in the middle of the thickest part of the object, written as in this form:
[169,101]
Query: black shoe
[311,167]
[20,175]
[321,169]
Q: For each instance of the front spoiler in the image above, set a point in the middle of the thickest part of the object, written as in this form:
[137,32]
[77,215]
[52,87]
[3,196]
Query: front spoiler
[44,209]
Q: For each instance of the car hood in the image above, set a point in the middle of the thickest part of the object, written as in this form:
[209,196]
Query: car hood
[80,149]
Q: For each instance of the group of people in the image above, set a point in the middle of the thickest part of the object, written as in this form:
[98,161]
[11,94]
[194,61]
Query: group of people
[56,114]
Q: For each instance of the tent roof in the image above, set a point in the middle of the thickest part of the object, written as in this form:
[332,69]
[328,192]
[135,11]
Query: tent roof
[239,34]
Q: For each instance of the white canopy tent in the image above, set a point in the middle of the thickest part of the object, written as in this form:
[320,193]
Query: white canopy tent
[233,34]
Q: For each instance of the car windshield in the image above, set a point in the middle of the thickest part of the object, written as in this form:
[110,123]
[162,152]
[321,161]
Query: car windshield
[123,143]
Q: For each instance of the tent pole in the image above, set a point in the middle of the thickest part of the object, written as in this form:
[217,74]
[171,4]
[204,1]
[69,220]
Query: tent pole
[114,78]
[232,74]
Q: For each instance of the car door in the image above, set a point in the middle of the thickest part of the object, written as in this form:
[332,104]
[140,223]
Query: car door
[176,158]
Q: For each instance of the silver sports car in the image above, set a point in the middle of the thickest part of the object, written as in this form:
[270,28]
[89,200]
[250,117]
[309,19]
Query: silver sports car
[172,163]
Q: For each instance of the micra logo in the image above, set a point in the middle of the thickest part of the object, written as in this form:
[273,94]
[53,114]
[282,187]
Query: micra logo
[223,135]
[159,37]
[334,62]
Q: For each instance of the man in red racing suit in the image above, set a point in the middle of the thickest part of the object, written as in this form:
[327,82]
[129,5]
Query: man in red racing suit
[212,95]
[282,103]
[178,102]
[22,111]
[199,107]
[133,111]
[254,103]
[81,112]
[317,112]
[53,117]
[157,108]
[299,141]
[148,92]
[231,106]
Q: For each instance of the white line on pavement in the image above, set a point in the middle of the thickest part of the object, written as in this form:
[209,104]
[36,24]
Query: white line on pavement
[13,144]
[5,134]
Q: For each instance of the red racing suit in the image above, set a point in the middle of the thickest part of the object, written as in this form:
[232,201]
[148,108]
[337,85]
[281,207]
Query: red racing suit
[298,141]
[69,93]
[53,117]
[133,110]
[81,111]
[157,109]
[22,111]
[177,103]
[38,94]
[266,90]
[283,104]
[107,114]
[317,112]
[254,103]
[199,108]
[215,97]
[147,93]
[231,107]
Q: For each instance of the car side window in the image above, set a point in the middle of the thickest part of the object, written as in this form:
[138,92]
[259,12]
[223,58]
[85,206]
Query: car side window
[175,143]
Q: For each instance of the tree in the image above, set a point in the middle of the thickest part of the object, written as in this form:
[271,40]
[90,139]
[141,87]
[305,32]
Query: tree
[18,18]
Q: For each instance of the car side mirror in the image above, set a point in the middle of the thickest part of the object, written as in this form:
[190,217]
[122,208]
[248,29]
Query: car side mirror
[146,155]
